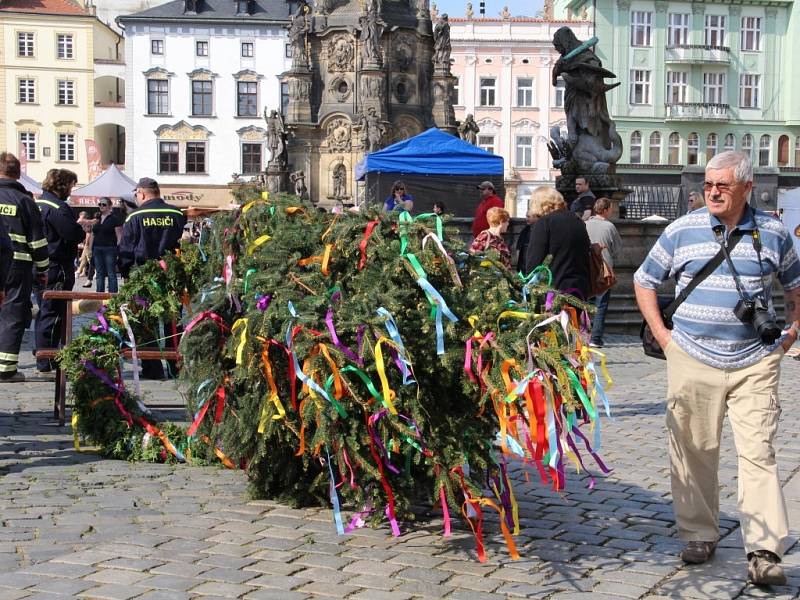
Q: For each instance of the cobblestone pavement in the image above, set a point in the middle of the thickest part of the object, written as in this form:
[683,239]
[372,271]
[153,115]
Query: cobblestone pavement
[77,525]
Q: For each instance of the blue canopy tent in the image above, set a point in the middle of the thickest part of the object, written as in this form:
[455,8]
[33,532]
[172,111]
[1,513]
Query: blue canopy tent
[434,165]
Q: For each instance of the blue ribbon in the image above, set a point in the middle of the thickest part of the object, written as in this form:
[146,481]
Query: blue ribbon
[394,333]
[440,308]
[337,513]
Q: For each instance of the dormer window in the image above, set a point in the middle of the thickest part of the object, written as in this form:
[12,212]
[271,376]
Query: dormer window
[190,6]
[242,7]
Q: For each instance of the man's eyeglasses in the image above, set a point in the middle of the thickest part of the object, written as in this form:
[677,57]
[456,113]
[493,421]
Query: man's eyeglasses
[103,205]
[720,185]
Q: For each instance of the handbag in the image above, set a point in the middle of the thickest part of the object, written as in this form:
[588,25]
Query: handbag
[668,305]
[601,275]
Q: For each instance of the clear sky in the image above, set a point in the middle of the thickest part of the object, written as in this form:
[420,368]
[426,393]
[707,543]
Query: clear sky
[518,8]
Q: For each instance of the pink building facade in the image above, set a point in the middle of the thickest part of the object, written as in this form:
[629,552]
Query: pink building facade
[504,68]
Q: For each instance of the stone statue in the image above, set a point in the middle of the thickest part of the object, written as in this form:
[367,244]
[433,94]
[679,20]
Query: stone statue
[592,144]
[339,187]
[340,54]
[298,30]
[298,178]
[434,11]
[505,13]
[468,130]
[441,42]
[372,130]
[276,137]
[470,12]
[371,31]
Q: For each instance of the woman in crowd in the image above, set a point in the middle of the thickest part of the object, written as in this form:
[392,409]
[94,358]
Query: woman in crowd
[85,264]
[106,233]
[399,200]
[525,238]
[558,233]
[439,208]
[493,237]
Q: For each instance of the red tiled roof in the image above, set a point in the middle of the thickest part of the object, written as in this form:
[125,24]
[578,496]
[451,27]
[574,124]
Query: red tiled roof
[513,20]
[51,7]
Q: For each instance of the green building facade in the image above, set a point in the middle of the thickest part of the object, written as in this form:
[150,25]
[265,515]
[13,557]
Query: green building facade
[698,78]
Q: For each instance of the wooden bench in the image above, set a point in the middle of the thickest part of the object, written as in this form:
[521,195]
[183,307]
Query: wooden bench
[59,402]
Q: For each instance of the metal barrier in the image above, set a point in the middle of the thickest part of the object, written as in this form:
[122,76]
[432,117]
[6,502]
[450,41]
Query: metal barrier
[668,201]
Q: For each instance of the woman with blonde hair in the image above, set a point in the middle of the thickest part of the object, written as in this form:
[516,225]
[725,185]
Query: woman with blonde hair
[498,219]
[562,235]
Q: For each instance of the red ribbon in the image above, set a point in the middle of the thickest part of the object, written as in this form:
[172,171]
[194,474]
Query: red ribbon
[363,245]
[220,404]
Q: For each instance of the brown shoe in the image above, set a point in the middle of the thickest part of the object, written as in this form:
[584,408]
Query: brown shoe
[696,553]
[763,568]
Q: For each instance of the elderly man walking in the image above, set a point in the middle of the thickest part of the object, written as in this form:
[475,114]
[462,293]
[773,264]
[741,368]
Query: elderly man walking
[723,356]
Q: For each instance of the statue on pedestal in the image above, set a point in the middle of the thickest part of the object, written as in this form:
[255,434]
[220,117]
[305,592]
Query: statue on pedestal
[592,144]
[441,43]
[298,30]
[339,187]
[276,138]
[370,36]
[468,130]
[470,13]
[298,178]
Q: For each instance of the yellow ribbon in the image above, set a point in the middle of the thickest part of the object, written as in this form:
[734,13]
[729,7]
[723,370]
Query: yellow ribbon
[472,321]
[75,440]
[242,338]
[272,397]
[257,242]
[328,230]
[265,195]
[326,257]
[603,368]
[387,391]
[516,314]
[248,206]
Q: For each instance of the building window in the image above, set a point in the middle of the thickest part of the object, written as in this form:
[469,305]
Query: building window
[654,157]
[247,49]
[692,148]
[764,147]
[27,91]
[674,155]
[561,88]
[730,142]
[640,86]
[677,87]
[66,146]
[714,88]
[747,145]
[157,47]
[284,98]
[157,97]
[28,140]
[66,92]
[797,151]
[64,45]
[457,91]
[486,142]
[715,31]
[168,157]
[488,91]
[749,85]
[287,51]
[201,48]
[678,33]
[195,157]
[24,43]
[636,148]
[247,98]
[524,151]
[783,151]
[641,24]
[525,91]
[251,159]
[712,146]
[751,34]
[202,98]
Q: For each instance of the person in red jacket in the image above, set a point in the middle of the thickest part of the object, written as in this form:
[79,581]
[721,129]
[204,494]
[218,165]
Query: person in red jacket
[488,200]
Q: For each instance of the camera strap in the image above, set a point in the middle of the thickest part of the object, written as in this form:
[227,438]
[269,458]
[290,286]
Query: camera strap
[756,235]
[709,268]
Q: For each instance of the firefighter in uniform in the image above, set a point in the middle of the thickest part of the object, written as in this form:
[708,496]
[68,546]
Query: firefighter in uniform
[150,231]
[29,246]
[63,236]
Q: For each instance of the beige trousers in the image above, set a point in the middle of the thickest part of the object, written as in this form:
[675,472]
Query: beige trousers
[698,396]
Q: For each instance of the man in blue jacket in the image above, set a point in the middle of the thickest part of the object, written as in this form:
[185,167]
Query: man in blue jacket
[150,231]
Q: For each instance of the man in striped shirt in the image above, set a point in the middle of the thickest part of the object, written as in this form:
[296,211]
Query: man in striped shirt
[717,363]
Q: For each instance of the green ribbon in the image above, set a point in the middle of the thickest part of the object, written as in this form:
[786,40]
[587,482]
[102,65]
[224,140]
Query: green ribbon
[367,381]
[581,394]
[439,228]
[247,278]
[339,408]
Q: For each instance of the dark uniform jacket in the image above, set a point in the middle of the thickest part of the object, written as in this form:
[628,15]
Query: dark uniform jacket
[6,252]
[61,229]
[150,231]
[24,223]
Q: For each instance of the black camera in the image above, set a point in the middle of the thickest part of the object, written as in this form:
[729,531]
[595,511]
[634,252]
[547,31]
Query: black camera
[755,313]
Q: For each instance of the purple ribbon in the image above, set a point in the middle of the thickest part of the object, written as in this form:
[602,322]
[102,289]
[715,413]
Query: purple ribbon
[596,458]
[263,302]
[377,440]
[335,338]
[141,301]
[103,327]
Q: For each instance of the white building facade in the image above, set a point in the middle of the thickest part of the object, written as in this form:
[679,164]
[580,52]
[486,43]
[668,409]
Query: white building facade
[197,87]
[504,69]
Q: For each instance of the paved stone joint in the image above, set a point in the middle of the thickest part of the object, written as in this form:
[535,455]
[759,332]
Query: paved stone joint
[77,525]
